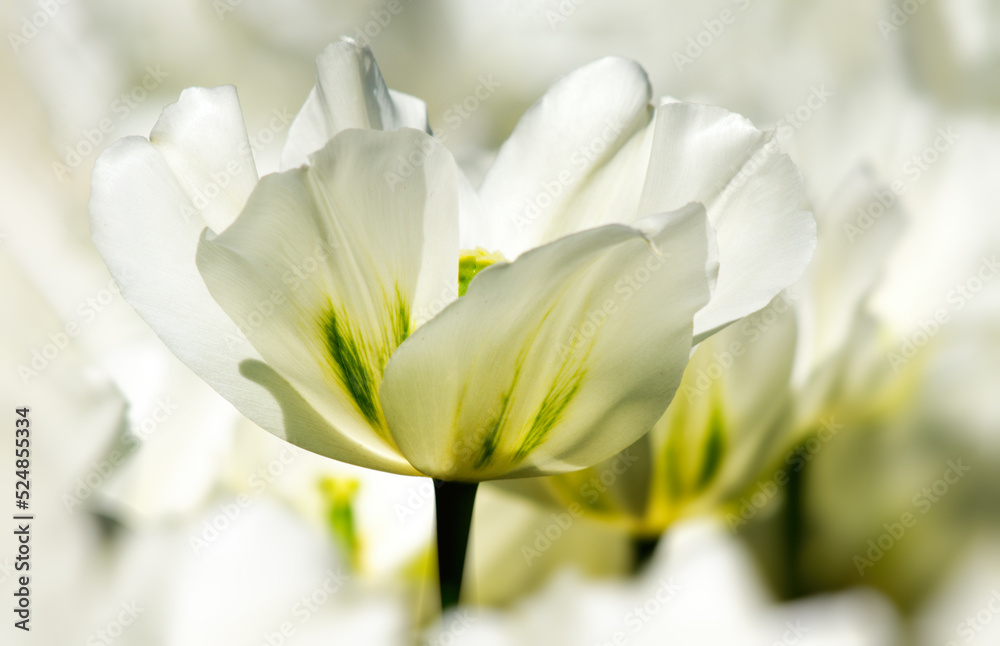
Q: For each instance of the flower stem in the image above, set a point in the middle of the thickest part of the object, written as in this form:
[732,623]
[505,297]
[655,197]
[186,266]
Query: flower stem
[454,518]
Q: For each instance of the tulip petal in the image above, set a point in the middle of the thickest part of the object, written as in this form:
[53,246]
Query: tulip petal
[555,361]
[751,192]
[575,159]
[204,141]
[622,498]
[349,93]
[146,225]
[848,266]
[730,418]
[330,266]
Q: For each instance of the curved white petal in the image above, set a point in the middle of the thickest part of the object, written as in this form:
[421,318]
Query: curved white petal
[729,419]
[624,503]
[407,111]
[592,152]
[849,263]
[751,192]
[306,428]
[349,93]
[555,361]
[146,226]
[331,265]
[204,141]
[731,415]
[575,160]
[474,229]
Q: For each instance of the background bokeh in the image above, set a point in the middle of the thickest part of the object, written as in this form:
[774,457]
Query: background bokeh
[164,517]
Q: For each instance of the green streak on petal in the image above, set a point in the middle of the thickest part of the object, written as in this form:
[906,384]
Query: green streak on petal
[491,432]
[401,328]
[496,439]
[558,397]
[358,359]
[347,350]
[550,412]
[471,262]
[715,446]
[488,436]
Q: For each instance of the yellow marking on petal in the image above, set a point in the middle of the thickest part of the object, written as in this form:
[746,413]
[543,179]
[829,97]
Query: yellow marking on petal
[473,261]
[339,496]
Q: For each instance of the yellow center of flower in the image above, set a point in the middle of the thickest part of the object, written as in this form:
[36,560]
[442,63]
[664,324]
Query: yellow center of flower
[471,262]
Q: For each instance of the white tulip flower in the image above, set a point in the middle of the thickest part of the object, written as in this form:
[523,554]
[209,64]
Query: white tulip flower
[323,301]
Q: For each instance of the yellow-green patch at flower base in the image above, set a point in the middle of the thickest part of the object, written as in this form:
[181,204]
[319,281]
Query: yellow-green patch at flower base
[359,361]
[471,262]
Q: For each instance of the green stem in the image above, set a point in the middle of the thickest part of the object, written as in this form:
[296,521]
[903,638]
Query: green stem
[454,518]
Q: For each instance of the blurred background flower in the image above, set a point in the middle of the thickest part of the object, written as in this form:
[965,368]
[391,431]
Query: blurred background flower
[164,517]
